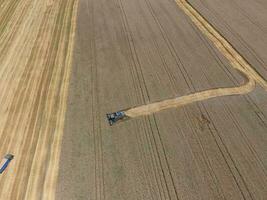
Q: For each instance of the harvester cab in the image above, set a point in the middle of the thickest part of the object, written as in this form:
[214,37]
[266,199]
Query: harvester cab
[115,117]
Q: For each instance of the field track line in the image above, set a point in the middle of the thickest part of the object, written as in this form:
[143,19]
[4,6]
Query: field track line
[37,40]
[235,59]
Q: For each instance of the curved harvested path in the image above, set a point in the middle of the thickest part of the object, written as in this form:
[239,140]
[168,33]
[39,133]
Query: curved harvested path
[236,60]
[131,53]
[64,64]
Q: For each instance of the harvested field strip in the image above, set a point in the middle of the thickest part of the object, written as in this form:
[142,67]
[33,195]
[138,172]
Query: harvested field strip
[236,60]
[131,53]
[36,59]
[184,100]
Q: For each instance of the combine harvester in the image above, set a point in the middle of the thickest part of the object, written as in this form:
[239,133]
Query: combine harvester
[115,117]
[4,163]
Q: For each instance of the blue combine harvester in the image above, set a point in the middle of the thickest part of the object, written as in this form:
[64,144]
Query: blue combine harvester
[116,116]
[6,160]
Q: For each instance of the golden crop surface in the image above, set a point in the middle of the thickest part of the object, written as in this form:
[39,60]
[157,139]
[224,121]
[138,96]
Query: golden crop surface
[36,39]
[36,46]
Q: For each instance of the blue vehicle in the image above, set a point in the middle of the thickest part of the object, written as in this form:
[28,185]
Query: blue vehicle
[116,116]
[6,160]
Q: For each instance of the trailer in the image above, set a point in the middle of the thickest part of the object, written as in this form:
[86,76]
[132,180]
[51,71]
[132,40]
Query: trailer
[4,163]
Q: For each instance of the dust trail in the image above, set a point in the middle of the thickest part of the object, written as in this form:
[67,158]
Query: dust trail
[235,59]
